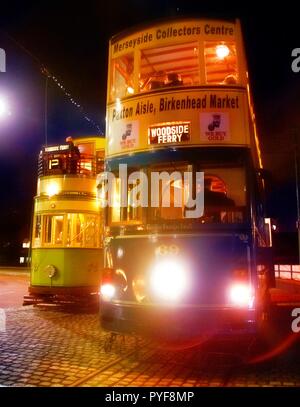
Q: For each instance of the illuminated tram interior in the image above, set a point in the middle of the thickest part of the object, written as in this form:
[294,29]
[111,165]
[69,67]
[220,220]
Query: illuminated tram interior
[175,65]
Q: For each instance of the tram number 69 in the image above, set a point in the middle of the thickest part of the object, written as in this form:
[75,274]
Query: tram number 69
[171,396]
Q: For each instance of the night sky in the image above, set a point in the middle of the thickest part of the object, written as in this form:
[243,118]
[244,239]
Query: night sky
[71,40]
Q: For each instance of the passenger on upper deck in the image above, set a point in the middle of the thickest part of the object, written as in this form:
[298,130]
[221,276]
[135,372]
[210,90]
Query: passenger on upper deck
[156,81]
[173,79]
[74,156]
[230,80]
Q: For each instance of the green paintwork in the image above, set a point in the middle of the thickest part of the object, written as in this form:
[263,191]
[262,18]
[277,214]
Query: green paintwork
[75,267]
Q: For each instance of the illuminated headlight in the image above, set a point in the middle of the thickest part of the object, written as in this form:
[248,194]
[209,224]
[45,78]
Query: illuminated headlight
[241,295]
[169,280]
[52,189]
[107,291]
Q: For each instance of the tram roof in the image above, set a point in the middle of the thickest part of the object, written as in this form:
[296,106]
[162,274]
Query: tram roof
[147,24]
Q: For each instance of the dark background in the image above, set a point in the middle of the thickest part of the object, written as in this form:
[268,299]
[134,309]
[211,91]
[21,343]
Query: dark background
[71,39]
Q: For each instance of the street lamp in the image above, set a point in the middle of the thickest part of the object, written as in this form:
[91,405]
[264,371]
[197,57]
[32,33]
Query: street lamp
[4,108]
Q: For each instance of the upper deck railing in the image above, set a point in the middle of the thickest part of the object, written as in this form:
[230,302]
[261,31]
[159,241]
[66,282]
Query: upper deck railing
[67,160]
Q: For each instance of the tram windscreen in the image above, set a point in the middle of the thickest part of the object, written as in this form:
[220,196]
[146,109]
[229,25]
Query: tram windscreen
[224,190]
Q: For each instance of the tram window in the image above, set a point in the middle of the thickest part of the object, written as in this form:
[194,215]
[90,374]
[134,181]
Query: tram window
[87,161]
[58,229]
[130,213]
[37,231]
[171,66]
[48,229]
[122,77]
[172,193]
[86,148]
[69,230]
[79,227]
[53,229]
[86,166]
[177,194]
[224,195]
[91,231]
[221,63]
[82,230]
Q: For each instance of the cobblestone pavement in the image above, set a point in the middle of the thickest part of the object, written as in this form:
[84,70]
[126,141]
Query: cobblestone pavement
[54,348]
[13,286]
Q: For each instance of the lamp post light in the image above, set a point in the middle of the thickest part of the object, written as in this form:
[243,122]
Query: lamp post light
[4,108]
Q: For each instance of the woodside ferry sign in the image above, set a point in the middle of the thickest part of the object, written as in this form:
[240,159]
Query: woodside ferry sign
[173,132]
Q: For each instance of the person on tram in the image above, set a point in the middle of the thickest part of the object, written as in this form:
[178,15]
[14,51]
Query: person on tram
[214,198]
[74,156]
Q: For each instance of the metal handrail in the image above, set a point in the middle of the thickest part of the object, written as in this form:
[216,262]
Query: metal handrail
[68,164]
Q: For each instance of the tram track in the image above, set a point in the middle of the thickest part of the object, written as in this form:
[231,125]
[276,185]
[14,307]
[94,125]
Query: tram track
[136,351]
[202,364]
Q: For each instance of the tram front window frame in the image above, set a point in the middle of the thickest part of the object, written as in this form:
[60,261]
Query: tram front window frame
[234,197]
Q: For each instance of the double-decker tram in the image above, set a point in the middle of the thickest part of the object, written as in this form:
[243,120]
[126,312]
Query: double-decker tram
[67,253]
[186,244]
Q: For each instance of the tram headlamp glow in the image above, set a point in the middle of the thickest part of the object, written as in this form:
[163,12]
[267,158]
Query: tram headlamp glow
[52,189]
[222,51]
[107,291]
[169,280]
[241,295]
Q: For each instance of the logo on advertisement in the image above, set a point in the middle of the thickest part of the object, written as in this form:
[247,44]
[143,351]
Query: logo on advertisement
[129,135]
[214,126]
[164,133]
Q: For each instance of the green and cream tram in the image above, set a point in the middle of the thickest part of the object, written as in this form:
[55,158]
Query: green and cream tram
[67,252]
[179,107]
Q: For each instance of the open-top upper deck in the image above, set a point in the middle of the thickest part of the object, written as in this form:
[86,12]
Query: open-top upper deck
[179,83]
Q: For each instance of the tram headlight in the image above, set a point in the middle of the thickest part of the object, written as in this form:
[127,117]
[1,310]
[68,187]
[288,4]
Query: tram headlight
[113,283]
[241,295]
[52,189]
[107,290]
[169,280]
